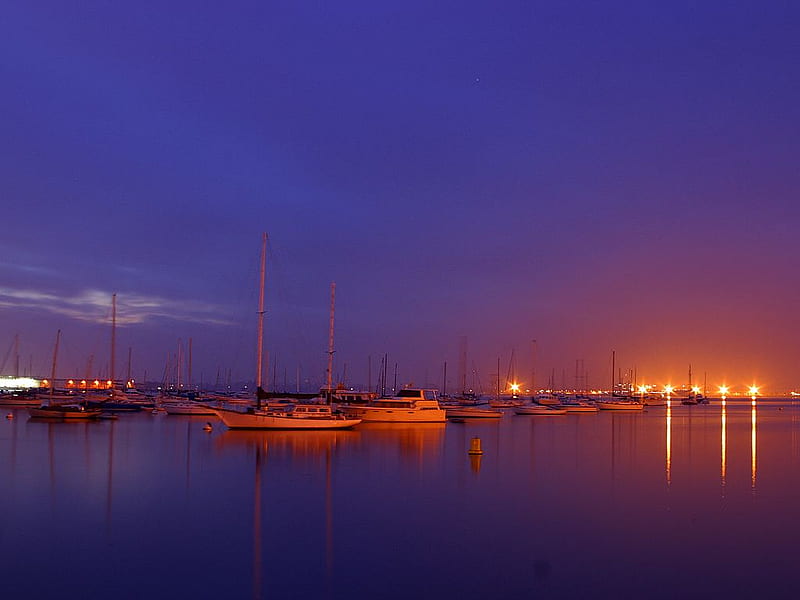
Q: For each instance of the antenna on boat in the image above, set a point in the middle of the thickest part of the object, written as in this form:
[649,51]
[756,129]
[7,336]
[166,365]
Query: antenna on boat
[329,372]
[260,350]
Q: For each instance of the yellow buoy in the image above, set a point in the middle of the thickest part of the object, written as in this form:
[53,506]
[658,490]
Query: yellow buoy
[475,446]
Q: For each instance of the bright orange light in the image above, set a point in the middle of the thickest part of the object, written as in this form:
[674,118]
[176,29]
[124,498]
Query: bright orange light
[696,389]
[514,387]
[642,389]
[753,390]
[723,390]
[669,389]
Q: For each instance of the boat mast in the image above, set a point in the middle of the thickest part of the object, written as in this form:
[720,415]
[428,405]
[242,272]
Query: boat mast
[16,355]
[128,381]
[260,351]
[498,377]
[53,371]
[113,335]
[189,374]
[329,371]
[613,366]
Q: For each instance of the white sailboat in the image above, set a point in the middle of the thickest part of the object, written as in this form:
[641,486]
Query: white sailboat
[293,416]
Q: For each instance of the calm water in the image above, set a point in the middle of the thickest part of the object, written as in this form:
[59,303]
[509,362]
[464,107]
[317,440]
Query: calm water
[690,502]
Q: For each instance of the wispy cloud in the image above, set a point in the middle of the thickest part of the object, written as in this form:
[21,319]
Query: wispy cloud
[94,306]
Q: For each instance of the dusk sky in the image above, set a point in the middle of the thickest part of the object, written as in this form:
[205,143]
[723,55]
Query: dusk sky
[589,175]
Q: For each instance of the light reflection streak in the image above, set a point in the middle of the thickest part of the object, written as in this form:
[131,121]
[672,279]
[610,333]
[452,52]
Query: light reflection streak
[257,525]
[668,466]
[753,462]
[724,443]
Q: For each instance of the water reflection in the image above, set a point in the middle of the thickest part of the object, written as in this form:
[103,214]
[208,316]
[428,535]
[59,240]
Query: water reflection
[257,543]
[315,514]
[293,443]
[724,444]
[753,462]
[475,463]
[416,442]
[668,459]
[110,478]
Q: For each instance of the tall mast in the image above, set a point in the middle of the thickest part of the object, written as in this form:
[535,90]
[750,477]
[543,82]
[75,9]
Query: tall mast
[113,335]
[260,348]
[53,371]
[179,365]
[189,376]
[498,377]
[16,355]
[128,381]
[462,364]
[329,372]
[613,366]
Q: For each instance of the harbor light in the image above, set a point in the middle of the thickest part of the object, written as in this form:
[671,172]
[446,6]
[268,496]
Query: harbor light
[696,390]
[514,387]
[753,391]
[668,389]
[723,390]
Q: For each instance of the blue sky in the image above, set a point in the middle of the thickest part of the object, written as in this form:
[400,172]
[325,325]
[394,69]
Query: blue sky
[592,175]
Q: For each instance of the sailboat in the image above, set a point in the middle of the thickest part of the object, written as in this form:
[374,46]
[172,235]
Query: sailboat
[616,402]
[114,400]
[61,411]
[290,416]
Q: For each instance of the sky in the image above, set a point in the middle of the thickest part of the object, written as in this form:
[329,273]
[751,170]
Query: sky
[551,181]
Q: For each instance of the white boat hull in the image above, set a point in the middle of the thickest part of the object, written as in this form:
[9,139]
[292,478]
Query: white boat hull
[20,401]
[266,420]
[580,408]
[372,414]
[619,405]
[187,409]
[46,412]
[473,413]
[539,411]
